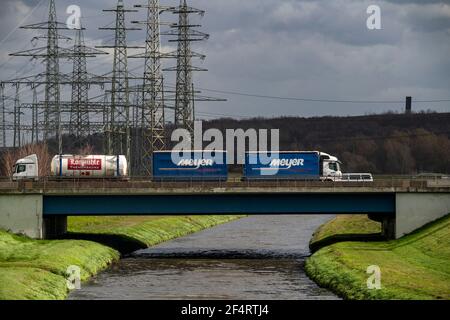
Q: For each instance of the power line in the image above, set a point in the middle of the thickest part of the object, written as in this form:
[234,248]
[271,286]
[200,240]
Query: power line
[21,23]
[252,95]
[318,100]
[388,137]
[272,97]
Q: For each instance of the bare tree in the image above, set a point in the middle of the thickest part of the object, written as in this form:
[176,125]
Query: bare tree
[86,150]
[10,157]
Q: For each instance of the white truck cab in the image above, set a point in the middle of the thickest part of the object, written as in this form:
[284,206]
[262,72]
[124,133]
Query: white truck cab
[331,167]
[26,168]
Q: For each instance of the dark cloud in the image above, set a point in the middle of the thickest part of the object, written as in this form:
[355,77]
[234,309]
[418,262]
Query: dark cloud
[431,18]
[420,2]
[312,48]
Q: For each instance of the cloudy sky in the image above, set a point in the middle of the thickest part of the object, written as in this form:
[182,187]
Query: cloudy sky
[305,49]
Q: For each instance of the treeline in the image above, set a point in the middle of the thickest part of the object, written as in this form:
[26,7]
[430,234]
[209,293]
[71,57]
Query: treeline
[381,144]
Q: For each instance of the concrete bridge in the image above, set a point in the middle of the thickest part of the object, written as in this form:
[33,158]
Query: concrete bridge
[40,209]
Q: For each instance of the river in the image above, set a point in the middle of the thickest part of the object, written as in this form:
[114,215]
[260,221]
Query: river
[254,258]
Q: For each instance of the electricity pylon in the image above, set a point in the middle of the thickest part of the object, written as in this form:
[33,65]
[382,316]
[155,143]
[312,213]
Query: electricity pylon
[80,109]
[152,125]
[3,114]
[118,128]
[51,54]
[185,94]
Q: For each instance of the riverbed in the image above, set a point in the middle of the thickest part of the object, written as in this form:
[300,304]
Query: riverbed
[254,258]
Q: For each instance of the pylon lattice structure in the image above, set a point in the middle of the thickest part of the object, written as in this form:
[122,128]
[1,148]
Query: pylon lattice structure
[3,114]
[184,92]
[118,129]
[81,108]
[51,55]
[152,126]
[52,93]
[17,116]
[35,117]
[79,115]
[134,128]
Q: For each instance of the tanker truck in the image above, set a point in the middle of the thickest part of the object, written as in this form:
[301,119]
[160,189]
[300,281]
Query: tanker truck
[73,166]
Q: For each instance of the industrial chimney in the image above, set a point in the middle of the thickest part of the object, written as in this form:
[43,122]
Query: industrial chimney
[408,105]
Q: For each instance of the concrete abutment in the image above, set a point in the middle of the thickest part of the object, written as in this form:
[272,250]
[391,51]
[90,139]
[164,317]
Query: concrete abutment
[414,210]
[23,213]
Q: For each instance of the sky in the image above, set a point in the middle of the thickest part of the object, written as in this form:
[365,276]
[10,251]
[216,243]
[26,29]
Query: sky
[293,49]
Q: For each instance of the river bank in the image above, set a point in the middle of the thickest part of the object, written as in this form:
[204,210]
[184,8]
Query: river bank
[259,257]
[416,266]
[36,269]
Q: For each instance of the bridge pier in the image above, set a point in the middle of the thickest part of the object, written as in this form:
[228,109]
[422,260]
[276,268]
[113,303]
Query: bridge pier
[54,227]
[387,225]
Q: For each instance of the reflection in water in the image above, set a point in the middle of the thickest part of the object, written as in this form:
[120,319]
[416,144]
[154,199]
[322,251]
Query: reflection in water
[258,257]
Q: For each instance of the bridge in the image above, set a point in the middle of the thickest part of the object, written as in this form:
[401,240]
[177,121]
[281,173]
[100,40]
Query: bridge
[40,209]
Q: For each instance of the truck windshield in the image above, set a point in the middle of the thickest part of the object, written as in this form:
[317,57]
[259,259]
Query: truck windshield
[333,166]
[21,168]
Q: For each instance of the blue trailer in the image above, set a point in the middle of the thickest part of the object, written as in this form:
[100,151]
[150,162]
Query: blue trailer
[193,166]
[288,165]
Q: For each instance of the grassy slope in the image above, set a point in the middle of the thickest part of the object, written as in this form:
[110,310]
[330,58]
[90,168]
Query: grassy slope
[148,230]
[31,269]
[416,266]
[346,224]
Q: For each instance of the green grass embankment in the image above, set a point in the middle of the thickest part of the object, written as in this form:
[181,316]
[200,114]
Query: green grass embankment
[416,266]
[147,230]
[346,228]
[346,225]
[32,269]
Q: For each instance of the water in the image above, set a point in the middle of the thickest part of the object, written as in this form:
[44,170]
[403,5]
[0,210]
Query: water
[255,258]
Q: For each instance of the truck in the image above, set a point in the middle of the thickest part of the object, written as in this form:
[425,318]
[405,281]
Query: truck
[73,166]
[201,165]
[204,165]
[291,165]
[26,168]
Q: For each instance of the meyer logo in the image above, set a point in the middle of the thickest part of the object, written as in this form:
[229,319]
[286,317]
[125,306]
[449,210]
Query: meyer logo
[287,163]
[197,163]
[84,164]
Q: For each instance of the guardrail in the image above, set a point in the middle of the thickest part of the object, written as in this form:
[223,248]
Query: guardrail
[49,183]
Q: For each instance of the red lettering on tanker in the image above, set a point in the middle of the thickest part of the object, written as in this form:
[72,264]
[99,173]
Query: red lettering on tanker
[84,164]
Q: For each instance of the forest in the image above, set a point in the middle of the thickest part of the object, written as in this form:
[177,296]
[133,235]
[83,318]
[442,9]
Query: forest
[406,144]
[381,144]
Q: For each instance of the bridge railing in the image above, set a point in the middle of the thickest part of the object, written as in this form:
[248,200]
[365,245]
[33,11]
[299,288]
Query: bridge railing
[133,183]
